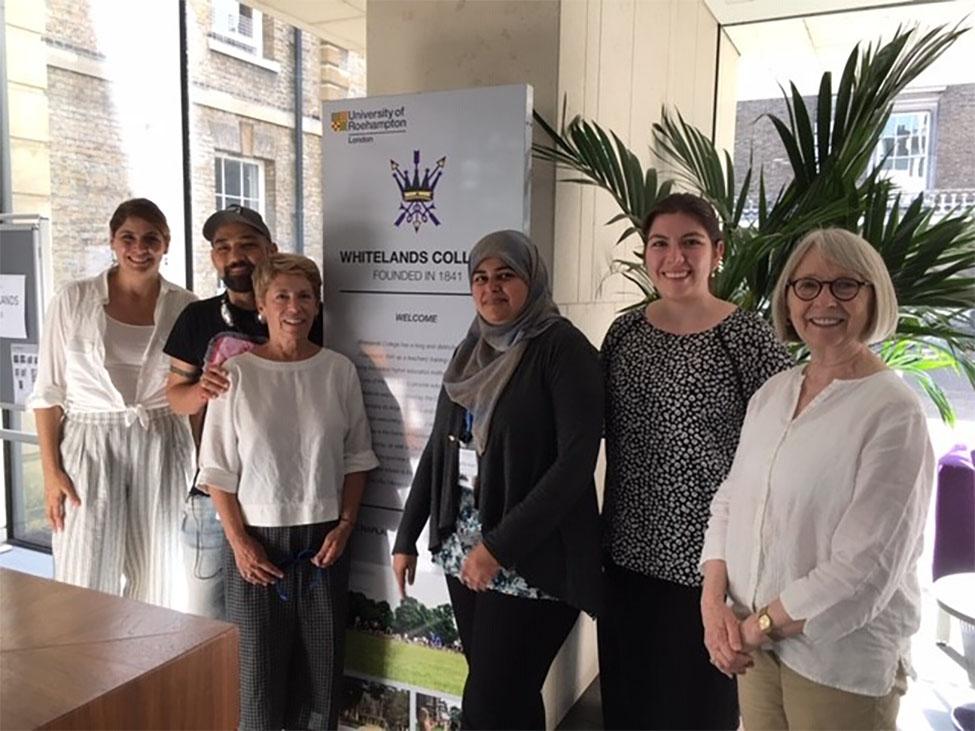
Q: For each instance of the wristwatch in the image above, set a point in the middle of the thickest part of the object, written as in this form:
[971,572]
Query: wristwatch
[765,623]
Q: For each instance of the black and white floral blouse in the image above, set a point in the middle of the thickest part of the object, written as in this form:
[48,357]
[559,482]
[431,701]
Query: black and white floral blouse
[674,409]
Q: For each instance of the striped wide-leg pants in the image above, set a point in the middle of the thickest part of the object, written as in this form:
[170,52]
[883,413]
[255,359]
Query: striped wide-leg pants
[131,480]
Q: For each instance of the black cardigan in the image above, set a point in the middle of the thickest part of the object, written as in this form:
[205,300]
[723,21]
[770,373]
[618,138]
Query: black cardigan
[536,494]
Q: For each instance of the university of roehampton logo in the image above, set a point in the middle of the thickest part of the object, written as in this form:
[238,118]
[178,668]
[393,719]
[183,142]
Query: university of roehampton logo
[340,121]
[416,205]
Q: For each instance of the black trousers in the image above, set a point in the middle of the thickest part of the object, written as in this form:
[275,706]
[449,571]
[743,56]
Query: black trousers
[654,670]
[510,643]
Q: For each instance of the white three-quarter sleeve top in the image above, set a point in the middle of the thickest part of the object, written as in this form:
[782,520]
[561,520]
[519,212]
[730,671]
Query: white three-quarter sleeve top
[284,436]
[825,512]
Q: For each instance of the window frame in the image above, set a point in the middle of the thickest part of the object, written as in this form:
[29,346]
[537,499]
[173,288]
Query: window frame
[220,197]
[254,43]
[922,105]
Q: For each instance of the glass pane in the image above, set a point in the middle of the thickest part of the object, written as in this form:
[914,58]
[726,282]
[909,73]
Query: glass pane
[27,485]
[901,147]
[240,131]
[900,163]
[104,133]
[114,132]
[218,174]
[245,21]
[231,169]
[250,180]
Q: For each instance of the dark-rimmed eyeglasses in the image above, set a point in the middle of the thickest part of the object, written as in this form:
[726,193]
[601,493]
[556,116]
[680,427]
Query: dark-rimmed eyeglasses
[843,288]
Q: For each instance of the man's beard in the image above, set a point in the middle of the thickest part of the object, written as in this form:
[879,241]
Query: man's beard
[239,281]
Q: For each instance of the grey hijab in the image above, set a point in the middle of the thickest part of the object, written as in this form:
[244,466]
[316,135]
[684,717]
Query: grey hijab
[483,363]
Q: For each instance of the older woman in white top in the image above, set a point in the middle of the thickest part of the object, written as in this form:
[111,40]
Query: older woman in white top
[284,454]
[815,534]
[116,460]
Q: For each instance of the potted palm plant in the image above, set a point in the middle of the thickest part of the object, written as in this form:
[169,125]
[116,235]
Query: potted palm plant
[836,181]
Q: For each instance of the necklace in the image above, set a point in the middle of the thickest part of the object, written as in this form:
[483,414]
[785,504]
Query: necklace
[227,315]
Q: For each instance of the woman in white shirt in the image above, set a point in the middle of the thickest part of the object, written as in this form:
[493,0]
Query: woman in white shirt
[815,534]
[284,453]
[116,460]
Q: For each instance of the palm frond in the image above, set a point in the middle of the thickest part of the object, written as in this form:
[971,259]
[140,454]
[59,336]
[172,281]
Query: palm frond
[836,181]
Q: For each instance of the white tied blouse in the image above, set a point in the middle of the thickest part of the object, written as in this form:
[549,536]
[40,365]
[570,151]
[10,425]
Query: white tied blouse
[284,436]
[825,512]
[72,373]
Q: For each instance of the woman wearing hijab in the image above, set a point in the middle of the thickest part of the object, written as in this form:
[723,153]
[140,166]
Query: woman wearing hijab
[506,481]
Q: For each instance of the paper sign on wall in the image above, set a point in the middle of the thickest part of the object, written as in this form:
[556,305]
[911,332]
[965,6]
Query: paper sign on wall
[13,306]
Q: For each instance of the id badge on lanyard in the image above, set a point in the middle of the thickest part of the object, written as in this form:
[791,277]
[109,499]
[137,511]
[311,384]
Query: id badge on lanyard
[467,455]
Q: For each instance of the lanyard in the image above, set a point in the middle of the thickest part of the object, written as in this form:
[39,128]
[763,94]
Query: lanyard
[468,434]
[306,555]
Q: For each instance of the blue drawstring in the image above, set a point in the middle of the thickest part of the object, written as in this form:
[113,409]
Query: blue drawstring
[306,555]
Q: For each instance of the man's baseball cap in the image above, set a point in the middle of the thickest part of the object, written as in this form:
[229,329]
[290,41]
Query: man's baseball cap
[235,214]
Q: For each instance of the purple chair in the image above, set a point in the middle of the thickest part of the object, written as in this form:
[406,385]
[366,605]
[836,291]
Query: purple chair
[954,531]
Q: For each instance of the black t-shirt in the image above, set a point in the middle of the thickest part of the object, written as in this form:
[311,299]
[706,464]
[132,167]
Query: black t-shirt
[200,321]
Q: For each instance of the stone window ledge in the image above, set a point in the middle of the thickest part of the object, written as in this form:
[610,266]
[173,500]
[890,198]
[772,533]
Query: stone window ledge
[229,49]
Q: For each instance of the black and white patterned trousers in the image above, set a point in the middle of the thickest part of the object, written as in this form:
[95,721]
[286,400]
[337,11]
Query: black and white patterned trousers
[291,634]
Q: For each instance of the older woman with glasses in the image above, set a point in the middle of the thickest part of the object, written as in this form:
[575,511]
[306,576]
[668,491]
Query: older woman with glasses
[815,534]
[284,454]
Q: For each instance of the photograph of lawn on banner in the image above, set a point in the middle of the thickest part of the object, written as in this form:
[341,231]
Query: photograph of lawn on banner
[406,643]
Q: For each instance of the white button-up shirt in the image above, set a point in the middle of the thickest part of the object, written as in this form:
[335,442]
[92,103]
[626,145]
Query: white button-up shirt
[825,512]
[71,371]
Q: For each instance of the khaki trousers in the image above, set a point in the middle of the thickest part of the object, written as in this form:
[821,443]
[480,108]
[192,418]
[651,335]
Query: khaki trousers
[773,696]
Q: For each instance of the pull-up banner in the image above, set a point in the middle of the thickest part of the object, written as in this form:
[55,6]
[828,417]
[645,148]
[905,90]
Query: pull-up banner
[411,183]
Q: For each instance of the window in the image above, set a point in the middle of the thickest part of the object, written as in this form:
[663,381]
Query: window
[104,127]
[238,25]
[239,181]
[903,150]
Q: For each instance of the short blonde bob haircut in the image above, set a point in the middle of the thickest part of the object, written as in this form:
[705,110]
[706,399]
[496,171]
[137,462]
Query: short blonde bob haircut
[279,263]
[847,251]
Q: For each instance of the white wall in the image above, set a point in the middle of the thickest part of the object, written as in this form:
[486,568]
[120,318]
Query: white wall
[435,45]
[620,61]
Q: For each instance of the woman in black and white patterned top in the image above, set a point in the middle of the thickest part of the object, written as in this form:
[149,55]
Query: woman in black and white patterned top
[678,377]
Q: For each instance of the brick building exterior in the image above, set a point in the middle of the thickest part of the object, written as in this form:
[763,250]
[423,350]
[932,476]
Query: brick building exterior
[949,167]
[955,138]
[256,126]
[242,121]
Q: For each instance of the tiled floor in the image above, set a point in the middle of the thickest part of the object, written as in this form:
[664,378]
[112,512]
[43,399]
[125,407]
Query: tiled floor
[28,562]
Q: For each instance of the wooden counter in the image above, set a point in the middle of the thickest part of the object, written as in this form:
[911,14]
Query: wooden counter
[78,659]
